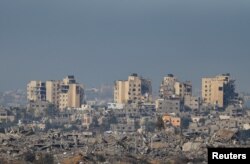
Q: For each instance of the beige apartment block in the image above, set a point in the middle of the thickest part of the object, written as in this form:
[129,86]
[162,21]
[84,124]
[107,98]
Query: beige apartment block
[168,105]
[213,90]
[53,91]
[36,91]
[135,89]
[66,93]
[121,89]
[71,96]
[192,102]
[167,87]
[170,87]
[183,89]
[70,93]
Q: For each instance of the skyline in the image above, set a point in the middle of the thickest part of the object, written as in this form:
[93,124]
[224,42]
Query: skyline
[100,42]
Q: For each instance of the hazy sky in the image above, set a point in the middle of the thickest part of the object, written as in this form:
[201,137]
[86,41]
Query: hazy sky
[100,41]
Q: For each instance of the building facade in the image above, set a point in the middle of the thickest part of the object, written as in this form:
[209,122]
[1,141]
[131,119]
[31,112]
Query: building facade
[192,102]
[135,89]
[121,89]
[171,87]
[5,116]
[167,87]
[218,90]
[53,88]
[66,93]
[168,105]
[36,91]
[173,120]
[183,89]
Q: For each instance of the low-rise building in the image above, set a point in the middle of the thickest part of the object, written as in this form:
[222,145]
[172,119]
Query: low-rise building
[168,105]
[5,116]
[173,120]
[235,110]
[123,127]
[40,105]
[115,106]
[224,117]
[87,120]
[246,126]
[192,102]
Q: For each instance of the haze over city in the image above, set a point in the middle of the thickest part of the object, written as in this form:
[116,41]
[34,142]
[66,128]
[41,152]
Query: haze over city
[134,81]
[103,41]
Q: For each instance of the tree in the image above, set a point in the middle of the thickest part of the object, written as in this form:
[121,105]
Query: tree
[29,157]
[160,123]
[51,110]
[95,121]
[185,122]
[202,121]
[150,126]
[45,159]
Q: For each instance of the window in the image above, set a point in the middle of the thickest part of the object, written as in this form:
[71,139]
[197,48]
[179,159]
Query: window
[220,88]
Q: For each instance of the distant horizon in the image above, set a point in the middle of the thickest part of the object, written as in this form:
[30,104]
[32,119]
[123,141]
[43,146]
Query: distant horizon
[103,41]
